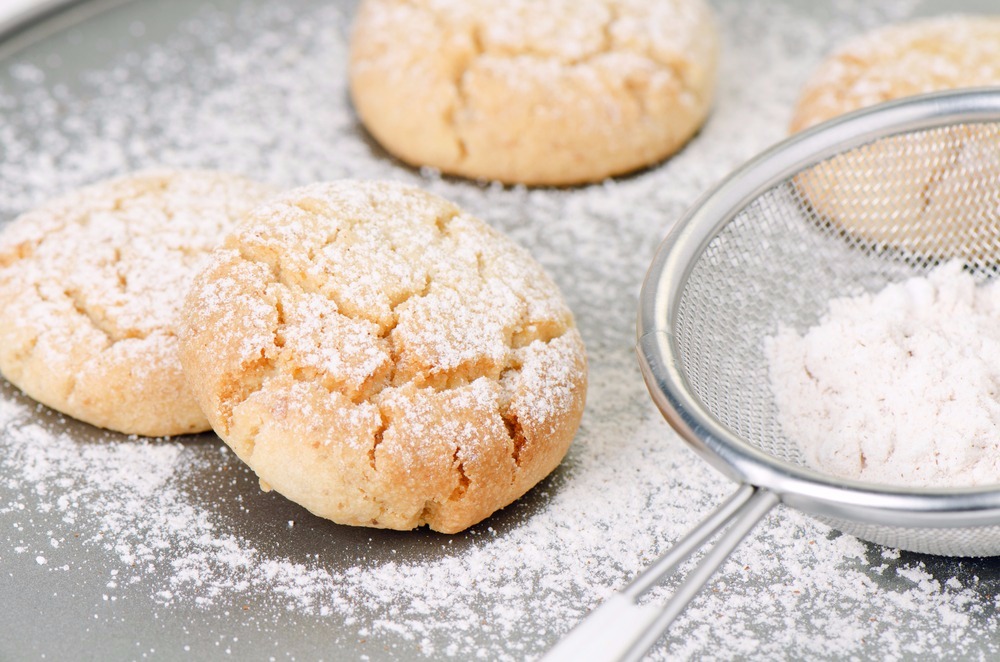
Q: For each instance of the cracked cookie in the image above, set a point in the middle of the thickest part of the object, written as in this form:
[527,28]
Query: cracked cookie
[909,193]
[927,55]
[382,358]
[90,288]
[552,92]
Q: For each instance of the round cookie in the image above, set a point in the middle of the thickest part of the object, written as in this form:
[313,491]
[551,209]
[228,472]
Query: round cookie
[918,57]
[382,358]
[551,92]
[91,285]
[909,193]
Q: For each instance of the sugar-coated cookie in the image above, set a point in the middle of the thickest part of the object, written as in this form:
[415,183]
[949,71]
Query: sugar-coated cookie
[90,288]
[910,193]
[384,359]
[896,61]
[539,92]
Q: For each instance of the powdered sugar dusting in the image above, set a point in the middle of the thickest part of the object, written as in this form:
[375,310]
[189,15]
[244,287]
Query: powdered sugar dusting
[91,285]
[923,56]
[178,551]
[124,249]
[381,294]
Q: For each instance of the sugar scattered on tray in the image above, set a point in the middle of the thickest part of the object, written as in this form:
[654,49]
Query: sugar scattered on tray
[627,490]
[129,499]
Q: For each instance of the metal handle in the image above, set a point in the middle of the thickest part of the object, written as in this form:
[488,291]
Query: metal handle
[622,630]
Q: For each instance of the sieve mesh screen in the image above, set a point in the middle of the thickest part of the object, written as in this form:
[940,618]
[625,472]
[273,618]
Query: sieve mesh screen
[884,211]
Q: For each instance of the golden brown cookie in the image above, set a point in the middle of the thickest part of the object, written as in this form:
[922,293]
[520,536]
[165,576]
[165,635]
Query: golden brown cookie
[384,359]
[90,288]
[540,92]
[909,193]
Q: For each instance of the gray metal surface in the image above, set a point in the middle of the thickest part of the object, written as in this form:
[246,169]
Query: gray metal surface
[596,241]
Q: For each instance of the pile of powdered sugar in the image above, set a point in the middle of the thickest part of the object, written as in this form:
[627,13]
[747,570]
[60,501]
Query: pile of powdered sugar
[167,548]
[899,387]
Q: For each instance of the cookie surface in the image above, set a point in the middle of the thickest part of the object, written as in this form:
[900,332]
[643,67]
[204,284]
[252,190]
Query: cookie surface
[902,60]
[384,359]
[914,194]
[550,92]
[90,288]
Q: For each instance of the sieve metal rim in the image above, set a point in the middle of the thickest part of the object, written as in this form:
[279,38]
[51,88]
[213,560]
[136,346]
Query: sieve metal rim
[804,489]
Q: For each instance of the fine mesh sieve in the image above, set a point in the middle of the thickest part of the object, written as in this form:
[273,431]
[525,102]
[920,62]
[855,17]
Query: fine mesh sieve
[845,208]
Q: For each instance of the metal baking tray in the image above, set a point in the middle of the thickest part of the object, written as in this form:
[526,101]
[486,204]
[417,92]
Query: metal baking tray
[114,548]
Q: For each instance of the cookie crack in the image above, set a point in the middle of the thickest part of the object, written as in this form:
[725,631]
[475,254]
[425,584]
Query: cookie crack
[516,434]
[60,221]
[78,307]
[71,389]
[252,377]
[524,333]
[113,336]
[607,29]
[430,507]
[313,375]
[443,223]
[278,335]
[946,167]
[635,92]
[80,310]
[544,331]
[121,277]
[463,479]
[426,512]
[479,50]
[20,251]
[331,238]
[399,303]
[377,440]
[461,102]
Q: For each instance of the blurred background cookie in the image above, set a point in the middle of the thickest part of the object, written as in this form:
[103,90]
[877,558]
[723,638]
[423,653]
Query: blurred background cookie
[902,60]
[546,92]
[90,288]
[384,359]
[906,193]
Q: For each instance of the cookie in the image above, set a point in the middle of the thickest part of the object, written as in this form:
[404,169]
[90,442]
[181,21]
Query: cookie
[918,57]
[382,358]
[91,285]
[910,193]
[551,92]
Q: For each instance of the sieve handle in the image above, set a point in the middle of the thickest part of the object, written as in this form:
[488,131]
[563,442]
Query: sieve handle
[622,630]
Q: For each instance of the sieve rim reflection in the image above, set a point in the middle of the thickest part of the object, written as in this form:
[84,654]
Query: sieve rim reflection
[806,489]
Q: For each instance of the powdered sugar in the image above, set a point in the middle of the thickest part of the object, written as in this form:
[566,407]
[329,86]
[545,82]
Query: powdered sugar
[179,552]
[900,387]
